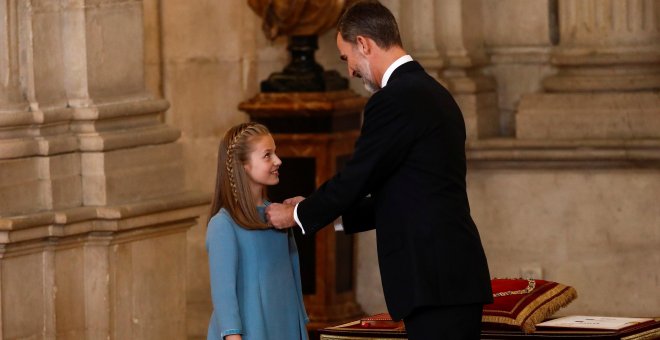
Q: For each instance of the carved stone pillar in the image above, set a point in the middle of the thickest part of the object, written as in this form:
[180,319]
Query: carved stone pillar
[33,115]
[93,210]
[608,61]
[458,31]
[417,26]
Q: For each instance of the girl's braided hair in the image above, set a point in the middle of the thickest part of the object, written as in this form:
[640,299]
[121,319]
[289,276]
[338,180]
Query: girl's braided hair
[230,162]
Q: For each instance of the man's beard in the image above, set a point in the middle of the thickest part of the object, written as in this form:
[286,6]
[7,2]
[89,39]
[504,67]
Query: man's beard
[367,78]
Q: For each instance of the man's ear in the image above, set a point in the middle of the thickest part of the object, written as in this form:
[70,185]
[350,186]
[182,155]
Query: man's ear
[363,44]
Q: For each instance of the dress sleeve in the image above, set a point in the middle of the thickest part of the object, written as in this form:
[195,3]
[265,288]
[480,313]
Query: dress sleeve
[222,247]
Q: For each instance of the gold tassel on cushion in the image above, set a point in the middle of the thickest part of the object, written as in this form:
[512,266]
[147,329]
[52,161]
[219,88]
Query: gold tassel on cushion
[529,309]
[545,311]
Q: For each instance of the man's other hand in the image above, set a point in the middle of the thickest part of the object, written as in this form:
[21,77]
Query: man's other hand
[294,200]
[280,216]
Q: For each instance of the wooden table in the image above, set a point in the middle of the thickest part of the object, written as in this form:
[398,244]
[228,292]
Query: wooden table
[354,331]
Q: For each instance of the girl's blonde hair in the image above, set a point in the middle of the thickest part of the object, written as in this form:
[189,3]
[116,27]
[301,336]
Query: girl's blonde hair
[232,186]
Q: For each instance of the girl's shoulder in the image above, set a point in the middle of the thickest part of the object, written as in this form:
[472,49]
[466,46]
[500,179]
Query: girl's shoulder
[222,221]
[221,215]
[221,231]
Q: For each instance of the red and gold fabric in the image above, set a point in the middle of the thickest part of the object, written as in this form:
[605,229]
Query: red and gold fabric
[522,303]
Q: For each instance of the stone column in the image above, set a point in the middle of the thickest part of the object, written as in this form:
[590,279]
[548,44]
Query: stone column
[608,61]
[458,27]
[33,114]
[127,153]
[93,208]
[418,30]
[518,37]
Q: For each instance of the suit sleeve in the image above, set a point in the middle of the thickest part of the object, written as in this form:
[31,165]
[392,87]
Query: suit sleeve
[222,247]
[359,217]
[385,139]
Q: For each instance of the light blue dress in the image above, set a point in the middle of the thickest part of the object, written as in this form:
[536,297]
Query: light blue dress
[255,282]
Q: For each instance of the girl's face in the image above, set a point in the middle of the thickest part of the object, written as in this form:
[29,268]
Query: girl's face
[263,164]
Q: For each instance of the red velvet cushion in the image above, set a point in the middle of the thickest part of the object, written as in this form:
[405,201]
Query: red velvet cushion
[523,303]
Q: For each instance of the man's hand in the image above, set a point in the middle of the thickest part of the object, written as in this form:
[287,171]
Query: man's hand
[280,216]
[294,200]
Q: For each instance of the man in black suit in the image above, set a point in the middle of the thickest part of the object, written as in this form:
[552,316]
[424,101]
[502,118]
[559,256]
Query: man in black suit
[406,179]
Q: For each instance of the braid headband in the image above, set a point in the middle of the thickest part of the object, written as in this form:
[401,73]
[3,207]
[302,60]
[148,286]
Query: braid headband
[230,158]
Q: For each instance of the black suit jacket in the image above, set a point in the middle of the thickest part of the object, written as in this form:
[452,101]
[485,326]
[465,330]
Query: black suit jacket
[406,179]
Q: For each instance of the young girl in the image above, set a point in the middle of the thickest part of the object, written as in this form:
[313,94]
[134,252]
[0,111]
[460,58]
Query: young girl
[255,274]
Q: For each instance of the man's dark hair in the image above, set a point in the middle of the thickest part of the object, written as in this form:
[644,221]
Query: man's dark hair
[370,19]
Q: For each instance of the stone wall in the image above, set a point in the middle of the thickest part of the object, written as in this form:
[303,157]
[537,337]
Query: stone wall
[93,207]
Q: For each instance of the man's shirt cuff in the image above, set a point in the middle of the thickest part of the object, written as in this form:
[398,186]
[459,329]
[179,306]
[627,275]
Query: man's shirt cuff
[339,224]
[295,217]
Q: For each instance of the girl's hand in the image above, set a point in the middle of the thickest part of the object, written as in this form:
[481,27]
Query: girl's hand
[233,337]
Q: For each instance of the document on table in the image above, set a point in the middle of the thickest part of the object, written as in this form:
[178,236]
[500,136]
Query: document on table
[593,322]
